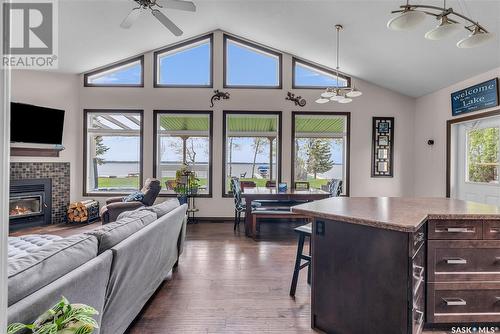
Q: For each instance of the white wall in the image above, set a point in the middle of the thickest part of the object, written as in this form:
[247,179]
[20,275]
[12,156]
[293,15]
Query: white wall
[39,88]
[432,112]
[60,91]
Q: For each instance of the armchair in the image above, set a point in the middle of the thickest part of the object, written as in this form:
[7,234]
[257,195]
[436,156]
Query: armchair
[115,205]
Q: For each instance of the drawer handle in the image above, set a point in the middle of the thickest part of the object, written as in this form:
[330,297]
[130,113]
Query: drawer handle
[494,230]
[457,260]
[457,230]
[454,302]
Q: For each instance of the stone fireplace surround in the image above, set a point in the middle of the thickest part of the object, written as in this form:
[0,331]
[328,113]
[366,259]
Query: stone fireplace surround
[58,172]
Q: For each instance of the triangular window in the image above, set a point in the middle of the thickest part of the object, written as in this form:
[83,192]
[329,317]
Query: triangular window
[126,74]
[307,75]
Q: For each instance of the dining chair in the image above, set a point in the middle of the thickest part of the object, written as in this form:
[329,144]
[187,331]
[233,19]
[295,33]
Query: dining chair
[270,184]
[335,187]
[301,185]
[239,205]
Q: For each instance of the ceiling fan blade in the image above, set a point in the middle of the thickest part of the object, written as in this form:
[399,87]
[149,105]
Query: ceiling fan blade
[177,4]
[167,23]
[131,18]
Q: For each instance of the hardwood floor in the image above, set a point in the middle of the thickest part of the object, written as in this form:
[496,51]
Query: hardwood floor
[225,283]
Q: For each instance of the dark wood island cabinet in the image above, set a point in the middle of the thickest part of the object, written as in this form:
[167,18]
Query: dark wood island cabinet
[393,265]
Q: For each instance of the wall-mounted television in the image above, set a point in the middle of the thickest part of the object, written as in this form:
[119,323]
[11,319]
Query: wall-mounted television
[34,124]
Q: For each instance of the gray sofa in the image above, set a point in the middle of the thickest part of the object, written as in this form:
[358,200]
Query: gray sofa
[115,268]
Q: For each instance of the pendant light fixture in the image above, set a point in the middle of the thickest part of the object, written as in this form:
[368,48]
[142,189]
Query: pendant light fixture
[337,93]
[410,16]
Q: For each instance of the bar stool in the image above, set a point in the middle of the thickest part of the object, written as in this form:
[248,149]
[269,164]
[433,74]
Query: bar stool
[303,232]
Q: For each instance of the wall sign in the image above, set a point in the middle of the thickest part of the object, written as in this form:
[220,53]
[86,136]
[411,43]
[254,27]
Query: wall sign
[481,96]
[383,147]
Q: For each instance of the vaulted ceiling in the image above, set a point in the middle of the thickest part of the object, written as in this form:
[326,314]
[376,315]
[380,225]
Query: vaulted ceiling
[90,37]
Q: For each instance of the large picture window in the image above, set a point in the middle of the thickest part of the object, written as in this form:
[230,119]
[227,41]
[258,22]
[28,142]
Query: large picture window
[320,149]
[252,147]
[129,73]
[188,64]
[113,151]
[247,65]
[183,138]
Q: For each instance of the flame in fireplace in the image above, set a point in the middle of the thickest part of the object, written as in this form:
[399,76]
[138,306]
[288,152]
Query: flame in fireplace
[19,210]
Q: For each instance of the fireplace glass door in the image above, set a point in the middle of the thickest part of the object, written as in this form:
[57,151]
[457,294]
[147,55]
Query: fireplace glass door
[22,206]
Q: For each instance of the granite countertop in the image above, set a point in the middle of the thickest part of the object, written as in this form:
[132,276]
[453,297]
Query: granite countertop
[403,214]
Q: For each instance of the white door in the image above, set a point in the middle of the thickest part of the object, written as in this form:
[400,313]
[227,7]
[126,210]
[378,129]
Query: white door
[475,161]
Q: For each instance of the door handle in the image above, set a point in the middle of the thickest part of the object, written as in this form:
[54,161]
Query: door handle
[454,302]
[459,230]
[457,260]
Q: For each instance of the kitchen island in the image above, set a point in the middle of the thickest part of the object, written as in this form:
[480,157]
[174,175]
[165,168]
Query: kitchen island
[391,265]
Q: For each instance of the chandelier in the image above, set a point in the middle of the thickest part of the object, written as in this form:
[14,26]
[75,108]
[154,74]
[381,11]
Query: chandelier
[338,93]
[448,25]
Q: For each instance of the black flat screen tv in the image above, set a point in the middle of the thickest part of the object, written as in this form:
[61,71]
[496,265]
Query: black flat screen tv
[37,125]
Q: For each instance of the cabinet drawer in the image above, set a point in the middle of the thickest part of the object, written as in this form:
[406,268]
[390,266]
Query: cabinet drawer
[463,302]
[455,229]
[460,260]
[491,229]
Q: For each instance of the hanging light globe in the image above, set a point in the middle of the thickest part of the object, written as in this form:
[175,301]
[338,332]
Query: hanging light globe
[407,20]
[354,93]
[322,100]
[327,94]
[443,30]
[477,38]
[345,100]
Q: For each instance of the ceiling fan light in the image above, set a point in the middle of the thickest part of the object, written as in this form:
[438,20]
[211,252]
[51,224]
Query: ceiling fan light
[336,98]
[443,30]
[477,38]
[354,93]
[345,100]
[322,100]
[327,94]
[407,20]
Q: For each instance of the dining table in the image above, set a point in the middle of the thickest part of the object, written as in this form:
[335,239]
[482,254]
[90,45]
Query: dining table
[263,194]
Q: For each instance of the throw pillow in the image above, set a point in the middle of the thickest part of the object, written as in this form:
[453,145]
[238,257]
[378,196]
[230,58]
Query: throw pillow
[134,197]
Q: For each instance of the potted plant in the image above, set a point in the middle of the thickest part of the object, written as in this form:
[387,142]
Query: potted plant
[62,318]
[186,183]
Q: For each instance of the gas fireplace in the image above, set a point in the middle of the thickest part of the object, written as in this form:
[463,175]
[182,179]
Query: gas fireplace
[30,203]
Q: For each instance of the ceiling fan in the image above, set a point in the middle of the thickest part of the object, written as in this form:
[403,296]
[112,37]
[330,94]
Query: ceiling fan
[154,6]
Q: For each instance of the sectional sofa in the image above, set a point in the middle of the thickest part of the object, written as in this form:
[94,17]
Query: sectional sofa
[115,268]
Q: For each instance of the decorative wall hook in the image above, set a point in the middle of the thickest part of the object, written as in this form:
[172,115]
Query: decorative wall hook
[298,100]
[217,96]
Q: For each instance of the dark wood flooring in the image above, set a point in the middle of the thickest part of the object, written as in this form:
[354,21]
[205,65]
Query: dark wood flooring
[226,283]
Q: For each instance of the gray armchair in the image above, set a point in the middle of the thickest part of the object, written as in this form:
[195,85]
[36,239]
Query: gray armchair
[115,205]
